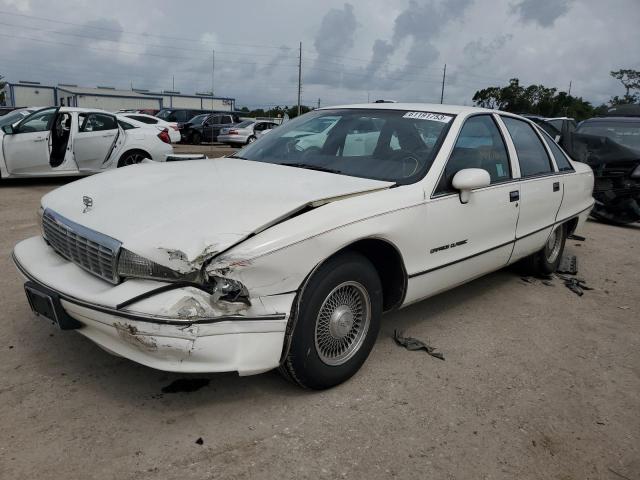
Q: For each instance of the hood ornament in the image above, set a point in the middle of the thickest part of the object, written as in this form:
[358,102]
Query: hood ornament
[88,203]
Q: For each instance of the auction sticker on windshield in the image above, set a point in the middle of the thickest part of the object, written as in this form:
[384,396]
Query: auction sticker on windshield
[437,117]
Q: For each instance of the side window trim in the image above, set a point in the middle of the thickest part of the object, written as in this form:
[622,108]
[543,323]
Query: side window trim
[509,149]
[550,154]
[546,139]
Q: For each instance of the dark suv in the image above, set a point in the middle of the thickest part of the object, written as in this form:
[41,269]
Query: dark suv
[207,128]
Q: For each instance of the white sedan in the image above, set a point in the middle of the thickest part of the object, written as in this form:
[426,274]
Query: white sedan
[76,141]
[287,253]
[172,127]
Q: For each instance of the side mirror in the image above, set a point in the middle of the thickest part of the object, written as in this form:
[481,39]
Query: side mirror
[8,129]
[469,179]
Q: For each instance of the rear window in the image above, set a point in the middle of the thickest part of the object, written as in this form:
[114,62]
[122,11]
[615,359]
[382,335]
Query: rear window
[143,119]
[532,155]
[244,124]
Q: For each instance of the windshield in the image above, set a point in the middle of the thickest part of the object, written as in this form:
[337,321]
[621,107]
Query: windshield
[199,119]
[623,133]
[390,145]
[13,117]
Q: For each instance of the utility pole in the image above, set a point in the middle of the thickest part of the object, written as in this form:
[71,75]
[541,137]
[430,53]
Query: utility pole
[299,77]
[173,83]
[368,97]
[318,103]
[569,92]
[444,75]
[213,69]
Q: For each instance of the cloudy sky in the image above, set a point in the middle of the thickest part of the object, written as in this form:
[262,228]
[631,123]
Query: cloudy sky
[351,51]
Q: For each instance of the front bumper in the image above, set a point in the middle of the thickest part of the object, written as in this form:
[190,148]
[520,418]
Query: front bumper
[248,340]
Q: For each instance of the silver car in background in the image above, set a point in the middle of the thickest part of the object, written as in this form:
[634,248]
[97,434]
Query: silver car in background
[245,132]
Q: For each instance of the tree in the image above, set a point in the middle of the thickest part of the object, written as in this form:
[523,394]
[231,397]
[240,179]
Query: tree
[630,79]
[534,99]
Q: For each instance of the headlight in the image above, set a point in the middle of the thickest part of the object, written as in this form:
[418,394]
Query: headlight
[229,290]
[636,172]
[133,265]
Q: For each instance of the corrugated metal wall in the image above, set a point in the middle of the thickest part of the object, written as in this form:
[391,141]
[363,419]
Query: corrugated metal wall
[115,103]
[33,96]
[173,101]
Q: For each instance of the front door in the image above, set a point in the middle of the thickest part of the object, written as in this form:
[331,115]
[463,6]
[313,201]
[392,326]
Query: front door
[540,188]
[26,150]
[467,240]
[94,140]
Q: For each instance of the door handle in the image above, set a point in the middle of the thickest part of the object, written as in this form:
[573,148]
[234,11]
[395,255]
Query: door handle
[39,139]
[109,135]
[556,186]
[514,196]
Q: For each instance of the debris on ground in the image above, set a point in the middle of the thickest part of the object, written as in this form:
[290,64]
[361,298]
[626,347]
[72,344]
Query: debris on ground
[186,385]
[199,441]
[544,280]
[579,238]
[576,285]
[414,344]
[568,264]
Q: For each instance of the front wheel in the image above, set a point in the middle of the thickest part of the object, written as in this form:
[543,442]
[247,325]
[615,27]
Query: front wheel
[546,261]
[196,138]
[337,324]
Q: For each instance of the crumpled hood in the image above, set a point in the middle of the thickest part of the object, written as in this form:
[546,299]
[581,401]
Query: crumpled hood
[179,214]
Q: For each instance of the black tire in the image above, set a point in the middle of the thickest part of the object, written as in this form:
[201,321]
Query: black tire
[251,139]
[546,261]
[132,157]
[196,138]
[348,290]
[618,217]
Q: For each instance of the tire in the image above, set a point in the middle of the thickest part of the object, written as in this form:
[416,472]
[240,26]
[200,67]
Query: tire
[196,138]
[329,343]
[251,139]
[546,261]
[132,157]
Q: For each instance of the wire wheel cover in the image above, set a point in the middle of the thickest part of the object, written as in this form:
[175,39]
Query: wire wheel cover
[342,323]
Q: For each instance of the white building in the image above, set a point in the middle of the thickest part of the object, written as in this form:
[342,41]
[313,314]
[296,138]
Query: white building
[33,94]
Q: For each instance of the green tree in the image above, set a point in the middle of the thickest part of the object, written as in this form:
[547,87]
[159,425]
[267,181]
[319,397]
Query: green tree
[534,99]
[630,80]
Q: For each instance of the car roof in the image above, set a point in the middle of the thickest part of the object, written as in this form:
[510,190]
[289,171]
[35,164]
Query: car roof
[421,107]
[612,120]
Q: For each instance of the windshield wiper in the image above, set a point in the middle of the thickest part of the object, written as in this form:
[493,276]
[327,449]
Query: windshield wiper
[311,167]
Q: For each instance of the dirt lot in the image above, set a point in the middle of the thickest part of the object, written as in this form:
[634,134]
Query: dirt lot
[537,383]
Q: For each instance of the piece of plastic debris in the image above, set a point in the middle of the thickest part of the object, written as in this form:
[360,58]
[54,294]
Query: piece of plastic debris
[199,441]
[624,307]
[568,264]
[579,238]
[414,344]
[576,285]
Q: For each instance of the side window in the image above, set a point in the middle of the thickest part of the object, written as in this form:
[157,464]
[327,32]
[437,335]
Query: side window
[96,122]
[124,125]
[37,122]
[226,119]
[479,145]
[560,157]
[532,155]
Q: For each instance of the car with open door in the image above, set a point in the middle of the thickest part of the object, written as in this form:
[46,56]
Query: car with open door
[286,254]
[74,141]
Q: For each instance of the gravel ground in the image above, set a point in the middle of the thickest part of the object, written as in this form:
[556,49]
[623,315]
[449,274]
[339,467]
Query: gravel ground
[537,383]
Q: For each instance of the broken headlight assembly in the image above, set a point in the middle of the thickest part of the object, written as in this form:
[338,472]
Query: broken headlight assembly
[132,265]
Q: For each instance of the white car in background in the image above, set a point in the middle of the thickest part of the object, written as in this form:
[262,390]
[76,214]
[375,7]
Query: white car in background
[76,141]
[287,253]
[174,132]
[245,132]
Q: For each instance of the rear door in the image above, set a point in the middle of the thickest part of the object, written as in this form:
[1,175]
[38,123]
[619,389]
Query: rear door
[540,189]
[93,142]
[26,151]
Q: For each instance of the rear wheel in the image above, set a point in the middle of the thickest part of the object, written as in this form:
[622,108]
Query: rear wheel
[546,261]
[251,139]
[337,324]
[131,158]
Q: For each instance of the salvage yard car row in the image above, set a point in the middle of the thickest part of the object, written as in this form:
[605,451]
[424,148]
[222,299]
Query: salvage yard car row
[293,247]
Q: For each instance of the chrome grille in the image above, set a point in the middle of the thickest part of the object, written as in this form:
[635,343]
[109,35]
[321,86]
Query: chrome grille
[91,250]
